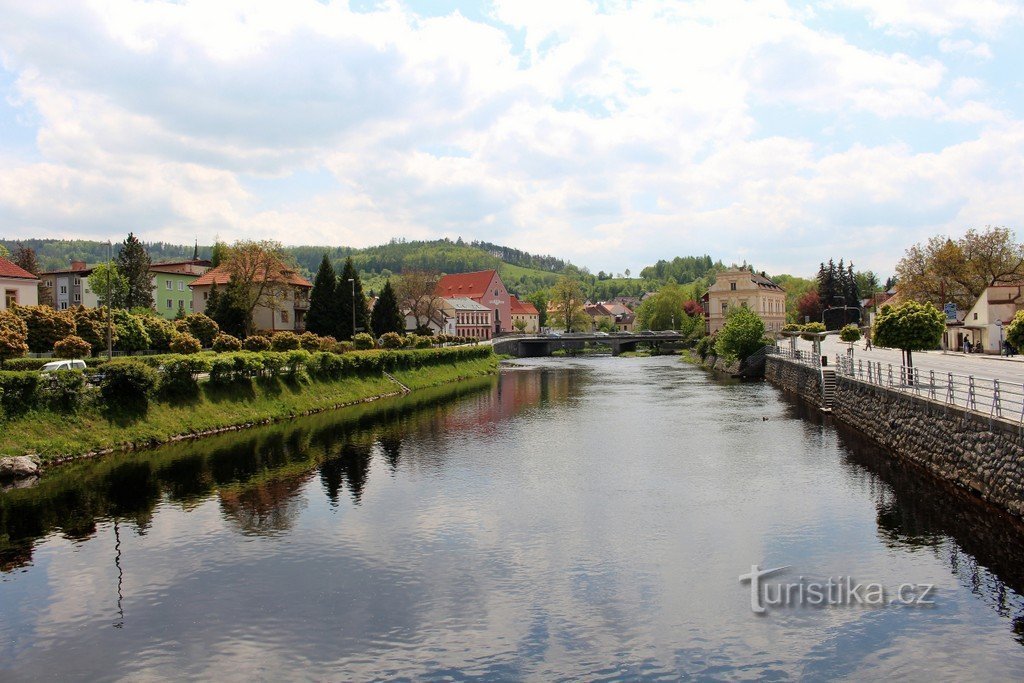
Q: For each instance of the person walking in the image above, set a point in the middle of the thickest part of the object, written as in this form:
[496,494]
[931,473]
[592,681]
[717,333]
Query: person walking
[967,346]
[867,342]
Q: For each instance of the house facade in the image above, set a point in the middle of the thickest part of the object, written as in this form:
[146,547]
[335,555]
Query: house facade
[171,291]
[485,288]
[472,319]
[18,286]
[741,288]
[70,287]
[986,321]
[282,309]
[525,315]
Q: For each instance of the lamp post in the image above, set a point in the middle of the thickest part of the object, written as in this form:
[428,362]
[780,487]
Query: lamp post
[353,281]
[110,322]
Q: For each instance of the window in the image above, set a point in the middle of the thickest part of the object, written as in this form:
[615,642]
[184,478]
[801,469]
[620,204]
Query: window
[975,316]
[170,304]
[284,315]
[49,283]
[169,285]
[78,297]
[181,286]
[78,281]
[743,304]
[206,295]
[191,307]
[64,290]
[725,307]
[10,297]
[732,286]
[63,305]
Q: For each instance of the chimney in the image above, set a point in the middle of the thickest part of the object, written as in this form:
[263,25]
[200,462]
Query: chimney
[77,265]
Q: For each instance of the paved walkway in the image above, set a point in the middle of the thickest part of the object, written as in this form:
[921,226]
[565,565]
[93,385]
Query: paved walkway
[991,367]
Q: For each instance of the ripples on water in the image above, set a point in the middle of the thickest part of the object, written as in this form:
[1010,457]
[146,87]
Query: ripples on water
[584,519]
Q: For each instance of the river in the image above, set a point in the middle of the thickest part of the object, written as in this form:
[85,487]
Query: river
[574,518]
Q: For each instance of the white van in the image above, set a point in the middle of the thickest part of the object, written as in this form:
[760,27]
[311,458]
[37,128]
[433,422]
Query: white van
[63,365]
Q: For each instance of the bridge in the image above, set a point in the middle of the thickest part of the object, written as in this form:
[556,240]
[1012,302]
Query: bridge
[532,346]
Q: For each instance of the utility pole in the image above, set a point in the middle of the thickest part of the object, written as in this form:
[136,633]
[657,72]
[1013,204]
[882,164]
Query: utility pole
[110,321]
[353,281]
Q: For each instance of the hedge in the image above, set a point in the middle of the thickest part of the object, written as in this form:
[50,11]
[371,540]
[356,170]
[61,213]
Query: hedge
[20,391]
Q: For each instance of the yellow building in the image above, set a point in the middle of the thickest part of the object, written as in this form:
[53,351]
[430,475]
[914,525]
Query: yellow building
[742,288]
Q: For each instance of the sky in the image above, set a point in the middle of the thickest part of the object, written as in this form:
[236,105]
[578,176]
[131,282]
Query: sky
[611,133]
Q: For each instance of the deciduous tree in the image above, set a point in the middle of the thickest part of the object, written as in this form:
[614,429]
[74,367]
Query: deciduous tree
[417,291]
[741,335]
[109,285]
[911,326]
[567,302]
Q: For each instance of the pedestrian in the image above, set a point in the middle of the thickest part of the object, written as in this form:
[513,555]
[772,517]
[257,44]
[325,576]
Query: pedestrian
[967,345]
[867,342]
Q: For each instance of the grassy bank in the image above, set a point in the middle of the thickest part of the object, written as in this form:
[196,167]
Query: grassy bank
[57,436]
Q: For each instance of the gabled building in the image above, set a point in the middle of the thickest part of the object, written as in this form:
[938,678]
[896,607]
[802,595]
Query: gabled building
[18,286]
[525,315]
[485,288]
[984,325]
[750,290]
[284,307]
[69,287]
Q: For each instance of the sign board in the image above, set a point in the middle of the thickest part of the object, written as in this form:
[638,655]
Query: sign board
[950,310]
[999,323]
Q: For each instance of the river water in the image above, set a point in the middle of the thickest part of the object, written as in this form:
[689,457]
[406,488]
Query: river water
[571,519]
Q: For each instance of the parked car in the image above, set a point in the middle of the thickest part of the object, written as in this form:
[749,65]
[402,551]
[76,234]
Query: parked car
[56,365]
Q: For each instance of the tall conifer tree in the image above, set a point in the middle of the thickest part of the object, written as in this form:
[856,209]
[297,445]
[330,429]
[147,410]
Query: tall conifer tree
[133,262]
[320,318]
[344,300]
[386,316]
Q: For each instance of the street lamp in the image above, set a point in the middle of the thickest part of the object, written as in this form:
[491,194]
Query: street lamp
[353,281]
[110,324]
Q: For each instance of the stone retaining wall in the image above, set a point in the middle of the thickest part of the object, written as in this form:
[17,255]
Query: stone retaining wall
[985,456]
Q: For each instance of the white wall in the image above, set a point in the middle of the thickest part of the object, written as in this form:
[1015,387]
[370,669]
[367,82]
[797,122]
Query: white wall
[27,292]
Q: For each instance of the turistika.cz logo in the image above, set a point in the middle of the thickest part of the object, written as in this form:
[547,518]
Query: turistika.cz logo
[842,591]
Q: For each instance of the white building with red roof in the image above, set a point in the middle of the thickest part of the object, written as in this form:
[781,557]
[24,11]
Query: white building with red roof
[19,287]
[283,309]
[484,287]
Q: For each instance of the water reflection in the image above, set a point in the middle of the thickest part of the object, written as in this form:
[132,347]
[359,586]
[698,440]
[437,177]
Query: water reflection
[585,519]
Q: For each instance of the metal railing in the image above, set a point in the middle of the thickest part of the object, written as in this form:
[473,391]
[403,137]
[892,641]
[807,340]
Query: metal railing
[993,398]
[803,356]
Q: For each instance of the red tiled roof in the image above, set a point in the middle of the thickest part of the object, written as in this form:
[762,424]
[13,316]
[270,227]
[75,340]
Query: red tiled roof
[472,285]
[8,269]
[523,307]
[221,275]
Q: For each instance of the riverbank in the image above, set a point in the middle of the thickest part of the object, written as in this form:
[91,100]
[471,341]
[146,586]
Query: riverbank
[59,437]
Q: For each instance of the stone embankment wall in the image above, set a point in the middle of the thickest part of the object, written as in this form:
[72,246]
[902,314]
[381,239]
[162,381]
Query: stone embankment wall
[968,449]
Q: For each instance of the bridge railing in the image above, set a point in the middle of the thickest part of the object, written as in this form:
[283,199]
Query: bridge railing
[798,355]
[986,397]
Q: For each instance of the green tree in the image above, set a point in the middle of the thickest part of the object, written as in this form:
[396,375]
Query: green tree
[319,319]
[109,285]
[349,292]
[133,262]
[664,310]
[539,299]
[567,299]
[72,347]
[224,309]
[91,325]
[911,326]
[1015,331]
[219,253]
[386,316]
[741,335]
[13,336]
[202,327]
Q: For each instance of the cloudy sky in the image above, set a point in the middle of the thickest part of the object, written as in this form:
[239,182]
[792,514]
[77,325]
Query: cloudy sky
[612,133]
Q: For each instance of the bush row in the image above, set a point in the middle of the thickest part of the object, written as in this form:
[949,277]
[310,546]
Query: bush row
[129,383]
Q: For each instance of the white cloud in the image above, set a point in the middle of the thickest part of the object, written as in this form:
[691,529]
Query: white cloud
[940,17]
[612,136]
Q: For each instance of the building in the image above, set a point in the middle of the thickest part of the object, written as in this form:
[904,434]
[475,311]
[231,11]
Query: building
[69,288]
[742,288]
[171,291]
[985,323]
[623,316]
[525,315]
[439,323]
[283,308]
[472,319]
[19,287]
[485,288]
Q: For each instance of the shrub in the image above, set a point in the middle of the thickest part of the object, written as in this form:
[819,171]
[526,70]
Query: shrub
[285,341]
[271,362]
[185,343]
[180,376]
[201,327]
[391,340]
[127,383]
[19,391]
[91,325]
[22,364]
[256,343]
[131,334]
[12,344]
[160,332]
[310,341]
[424,343]
[343,347]
[362,341]
[706,346]
[812,329]
[296,363]
[72,347]
[327,343]
[225,343]
[792,327]
[62,390]
[850,334]
[45,326]
[1015,331]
